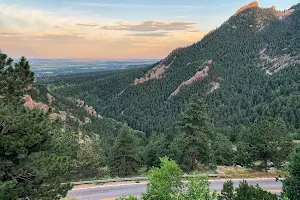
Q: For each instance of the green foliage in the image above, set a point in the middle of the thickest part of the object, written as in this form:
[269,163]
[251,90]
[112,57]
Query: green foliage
[197,141]
[197,189]
[292,183]
[156,148]
[14,78]
[246,191]
[227,193]
[88,160]
[222,151]
[267,140]
[32,162]
[35,153]
[127,198]
[124,158]
[164,182]
[196,128]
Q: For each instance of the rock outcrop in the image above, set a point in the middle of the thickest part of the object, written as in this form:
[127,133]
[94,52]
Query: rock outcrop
[87,108]
[215,86]
[282,15]
[62,115]
[251,5]
[155,73]
[50,98]
[80,103]
[273,64]
[31,104]
[198,76]
[90,110]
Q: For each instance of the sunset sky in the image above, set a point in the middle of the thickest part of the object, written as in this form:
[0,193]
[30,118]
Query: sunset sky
[111,29]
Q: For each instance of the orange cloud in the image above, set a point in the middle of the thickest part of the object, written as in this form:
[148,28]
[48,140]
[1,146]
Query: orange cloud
[36,33]
[150,26]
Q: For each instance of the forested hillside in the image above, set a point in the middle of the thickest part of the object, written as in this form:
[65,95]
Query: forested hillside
[231,99]
[87,136]
[255,58]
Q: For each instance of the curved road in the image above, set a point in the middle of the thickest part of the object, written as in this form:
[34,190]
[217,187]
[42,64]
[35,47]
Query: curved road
[111,192]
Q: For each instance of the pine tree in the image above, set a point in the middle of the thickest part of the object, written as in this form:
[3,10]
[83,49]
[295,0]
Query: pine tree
[267,140]
[292,183]
[14,78]
[32,165]
[124,160]
[34,162]
[195,124]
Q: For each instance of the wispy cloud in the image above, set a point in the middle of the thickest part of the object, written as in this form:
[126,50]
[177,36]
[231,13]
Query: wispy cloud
[74,33]
[87,24]
[150,26]
[159,34]
[90,4]
[10,34]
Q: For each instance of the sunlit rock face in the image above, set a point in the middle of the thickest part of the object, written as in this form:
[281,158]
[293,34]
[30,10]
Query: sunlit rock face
[251,5]
[199,75]
[155,73]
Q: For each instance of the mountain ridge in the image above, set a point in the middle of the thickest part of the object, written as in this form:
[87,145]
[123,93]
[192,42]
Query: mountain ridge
[250,53]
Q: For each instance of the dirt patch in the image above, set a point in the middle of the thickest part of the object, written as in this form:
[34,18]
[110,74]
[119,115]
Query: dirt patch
[239,172]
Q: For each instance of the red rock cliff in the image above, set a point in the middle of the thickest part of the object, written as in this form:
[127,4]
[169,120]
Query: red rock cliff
[251,5]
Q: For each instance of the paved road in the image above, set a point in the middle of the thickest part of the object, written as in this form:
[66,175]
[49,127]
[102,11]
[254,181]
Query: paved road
[111,192]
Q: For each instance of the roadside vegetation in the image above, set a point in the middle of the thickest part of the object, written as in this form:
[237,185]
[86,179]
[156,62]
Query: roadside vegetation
[165,183]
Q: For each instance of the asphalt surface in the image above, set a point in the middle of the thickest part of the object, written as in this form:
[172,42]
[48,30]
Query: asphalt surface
[111,192]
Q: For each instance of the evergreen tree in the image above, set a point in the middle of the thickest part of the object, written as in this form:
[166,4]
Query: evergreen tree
[246,191]
[34,162]
[195,140]
[221,151]
[292,183]
[156,148]
[124,159]
[267,141]
[14,78]
[88,159]
[227,192]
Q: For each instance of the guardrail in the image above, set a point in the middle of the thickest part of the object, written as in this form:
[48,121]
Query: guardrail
[135,179]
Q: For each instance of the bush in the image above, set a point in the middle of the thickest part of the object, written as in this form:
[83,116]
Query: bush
[292,183]
[245,191]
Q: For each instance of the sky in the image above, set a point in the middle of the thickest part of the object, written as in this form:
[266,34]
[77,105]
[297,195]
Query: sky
[111,29]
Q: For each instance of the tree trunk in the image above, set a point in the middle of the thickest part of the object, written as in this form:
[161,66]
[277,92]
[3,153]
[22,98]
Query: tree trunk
[193,164]
[266,166]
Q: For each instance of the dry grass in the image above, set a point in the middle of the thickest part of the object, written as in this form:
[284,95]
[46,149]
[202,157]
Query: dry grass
[235,172]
